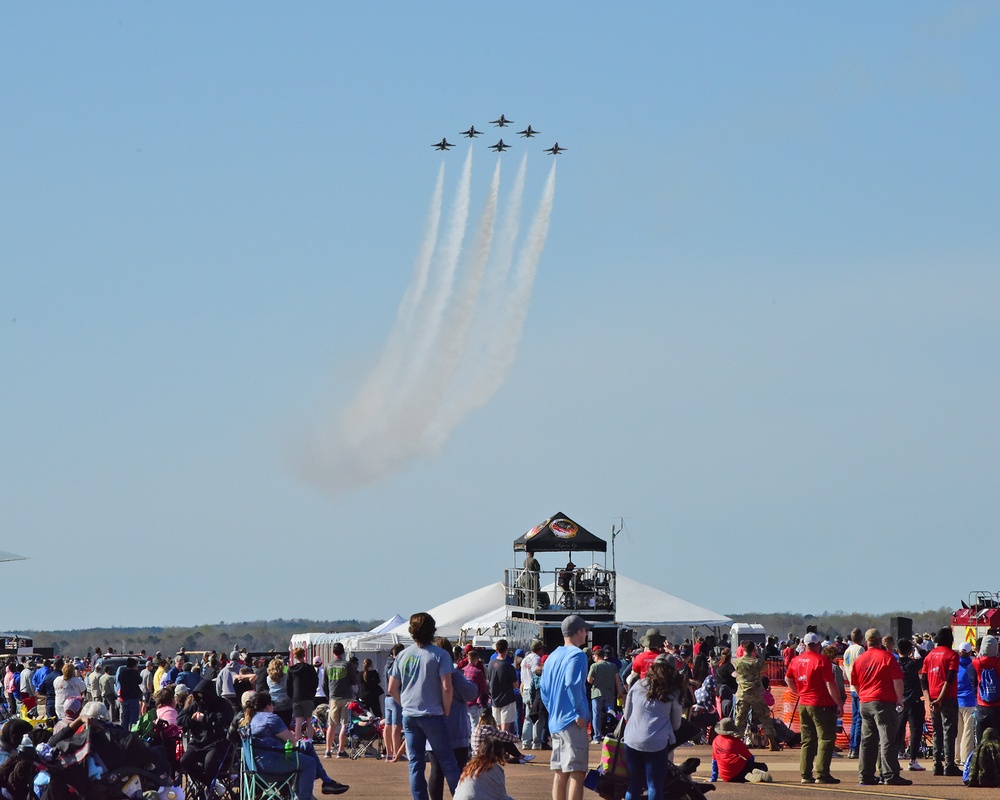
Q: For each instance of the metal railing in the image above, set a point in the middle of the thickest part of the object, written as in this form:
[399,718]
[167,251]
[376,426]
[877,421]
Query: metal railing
[592,589]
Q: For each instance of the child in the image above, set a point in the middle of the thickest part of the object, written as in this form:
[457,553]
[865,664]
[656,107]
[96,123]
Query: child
[732,761]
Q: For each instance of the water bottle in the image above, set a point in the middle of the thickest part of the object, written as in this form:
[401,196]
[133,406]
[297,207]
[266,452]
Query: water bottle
[26,746]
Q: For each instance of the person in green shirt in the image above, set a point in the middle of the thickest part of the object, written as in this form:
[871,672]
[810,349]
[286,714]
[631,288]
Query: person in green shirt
[605,688]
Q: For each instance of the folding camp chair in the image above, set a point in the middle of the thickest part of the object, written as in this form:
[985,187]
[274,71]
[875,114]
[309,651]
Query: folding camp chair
[257,785]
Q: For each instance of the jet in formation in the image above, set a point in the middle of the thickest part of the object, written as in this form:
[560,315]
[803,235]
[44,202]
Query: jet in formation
[500,123]
[555,149]
[500,146]
[472,132]
[528,132]
[444,144]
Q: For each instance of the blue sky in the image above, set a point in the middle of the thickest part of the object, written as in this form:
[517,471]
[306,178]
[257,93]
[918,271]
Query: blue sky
[764,326]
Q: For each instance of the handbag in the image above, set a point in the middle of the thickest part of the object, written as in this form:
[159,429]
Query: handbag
[610,780]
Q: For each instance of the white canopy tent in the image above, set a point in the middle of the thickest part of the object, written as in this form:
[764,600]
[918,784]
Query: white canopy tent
[639,605]
[393,622]
[452,615]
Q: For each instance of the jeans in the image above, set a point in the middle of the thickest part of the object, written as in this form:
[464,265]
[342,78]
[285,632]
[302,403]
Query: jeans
[945,720]
[913,718]
[855,736]
[418,731]
[130,713]
[986,717]
[645,769]
[598,708]
[878,740]
[272,762]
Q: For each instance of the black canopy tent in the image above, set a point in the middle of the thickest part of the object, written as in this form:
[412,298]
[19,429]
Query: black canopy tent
[559,534]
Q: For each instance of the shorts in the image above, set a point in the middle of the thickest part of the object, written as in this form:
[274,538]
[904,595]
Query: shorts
[505,715]
[393,713]
[570,750]
[338,711]
[303,709]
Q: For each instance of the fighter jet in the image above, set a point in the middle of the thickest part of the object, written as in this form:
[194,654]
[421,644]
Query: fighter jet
[528,132]
[501,122]
[444,144]
[500,146]
[472,132]
[555,149]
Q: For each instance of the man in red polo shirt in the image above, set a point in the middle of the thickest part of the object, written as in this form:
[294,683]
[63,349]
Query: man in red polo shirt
[653,641]
[878,679]
[939,679]
[810,675]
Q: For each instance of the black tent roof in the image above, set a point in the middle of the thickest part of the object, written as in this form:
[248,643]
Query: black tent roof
[559,534]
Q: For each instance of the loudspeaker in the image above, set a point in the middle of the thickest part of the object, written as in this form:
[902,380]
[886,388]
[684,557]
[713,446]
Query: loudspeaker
[900,628]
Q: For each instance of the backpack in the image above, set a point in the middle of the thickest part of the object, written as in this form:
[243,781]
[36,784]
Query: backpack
[985,767]
[989,692]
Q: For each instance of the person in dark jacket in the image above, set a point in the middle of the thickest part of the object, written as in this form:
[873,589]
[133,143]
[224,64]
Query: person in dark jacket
[302,681]
[206,721]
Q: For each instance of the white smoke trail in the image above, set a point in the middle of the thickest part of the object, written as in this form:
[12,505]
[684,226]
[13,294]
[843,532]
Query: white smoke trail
[497,360]
[370,403]
[454,342]
[412,399]
[445,264]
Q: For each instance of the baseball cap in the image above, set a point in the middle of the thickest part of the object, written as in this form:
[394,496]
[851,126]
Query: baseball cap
[965,647]
[574,623]
[468,648]
[811,638]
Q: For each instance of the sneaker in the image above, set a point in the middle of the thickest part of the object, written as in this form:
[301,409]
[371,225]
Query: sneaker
[827,779]
[527,746]
[328,754]
[915,767]
[332,787]
[342,754]
[808,780]
[869,781]
[952,771]
[938,770]
[852,754]
[897,780]
[526,759]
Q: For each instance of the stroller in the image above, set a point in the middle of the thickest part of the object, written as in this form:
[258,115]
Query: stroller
[95,761]
[364,733]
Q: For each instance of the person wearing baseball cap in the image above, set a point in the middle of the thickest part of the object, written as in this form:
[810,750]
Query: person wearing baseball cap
[810,675]
[564,693]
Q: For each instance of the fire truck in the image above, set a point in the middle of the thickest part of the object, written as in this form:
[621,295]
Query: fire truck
[978,617]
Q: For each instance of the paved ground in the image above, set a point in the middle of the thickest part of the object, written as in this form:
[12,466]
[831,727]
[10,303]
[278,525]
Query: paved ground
[370,778]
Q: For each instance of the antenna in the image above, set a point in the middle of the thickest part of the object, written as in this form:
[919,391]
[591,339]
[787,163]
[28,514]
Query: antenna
[614,535]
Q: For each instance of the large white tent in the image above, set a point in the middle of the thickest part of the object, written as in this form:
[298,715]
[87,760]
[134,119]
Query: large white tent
[452,615]
[639,605]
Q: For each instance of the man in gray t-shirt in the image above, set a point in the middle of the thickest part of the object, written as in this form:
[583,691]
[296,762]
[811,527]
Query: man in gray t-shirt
[420,681]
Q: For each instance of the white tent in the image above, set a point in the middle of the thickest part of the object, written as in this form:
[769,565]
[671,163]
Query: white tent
[451,616]
[394,621]
[639,604]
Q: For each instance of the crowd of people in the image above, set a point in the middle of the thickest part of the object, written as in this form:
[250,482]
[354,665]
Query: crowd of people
[469,718]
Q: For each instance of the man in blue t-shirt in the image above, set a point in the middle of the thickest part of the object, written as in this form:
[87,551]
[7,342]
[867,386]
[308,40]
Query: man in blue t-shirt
[420,681]
[564,693]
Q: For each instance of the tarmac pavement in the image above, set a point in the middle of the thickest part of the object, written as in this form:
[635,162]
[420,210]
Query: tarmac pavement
[372,778]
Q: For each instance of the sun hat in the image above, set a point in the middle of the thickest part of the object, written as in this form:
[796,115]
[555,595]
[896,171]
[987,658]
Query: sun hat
[726,727]
[653,638]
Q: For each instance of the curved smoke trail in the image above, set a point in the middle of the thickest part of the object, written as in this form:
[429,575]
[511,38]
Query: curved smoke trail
[416,393]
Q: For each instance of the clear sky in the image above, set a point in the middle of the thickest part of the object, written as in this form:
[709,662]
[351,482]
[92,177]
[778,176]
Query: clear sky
[764,328]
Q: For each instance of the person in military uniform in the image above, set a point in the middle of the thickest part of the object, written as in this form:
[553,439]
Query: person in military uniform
[529,578]
[750,693]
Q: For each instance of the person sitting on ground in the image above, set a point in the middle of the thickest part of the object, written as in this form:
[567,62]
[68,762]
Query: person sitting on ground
[732,761]
[269,734]
[483,777]
[487,729]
